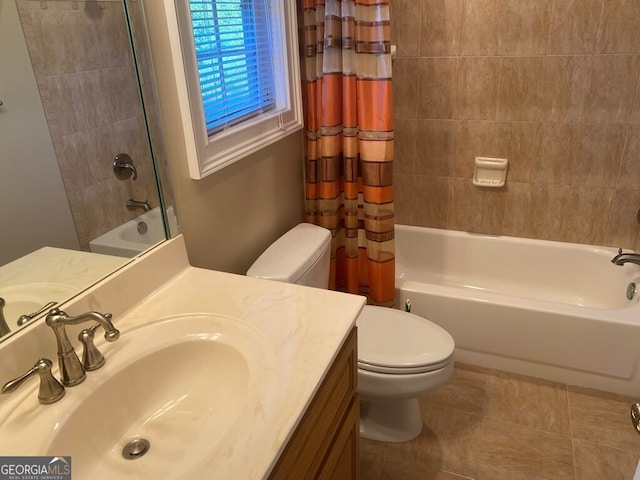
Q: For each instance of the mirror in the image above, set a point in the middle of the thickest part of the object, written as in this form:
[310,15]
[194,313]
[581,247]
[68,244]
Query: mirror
[74,96]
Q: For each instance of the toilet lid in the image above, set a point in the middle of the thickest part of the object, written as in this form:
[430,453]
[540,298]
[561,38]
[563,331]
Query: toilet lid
[393,341]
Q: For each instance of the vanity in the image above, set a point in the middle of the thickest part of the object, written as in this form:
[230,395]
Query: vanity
[326,443]
[225,376]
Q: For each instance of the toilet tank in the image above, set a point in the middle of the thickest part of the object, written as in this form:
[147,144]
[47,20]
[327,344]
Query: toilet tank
[300,256]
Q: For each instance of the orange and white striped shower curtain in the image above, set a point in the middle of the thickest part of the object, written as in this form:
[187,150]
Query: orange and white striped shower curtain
[349,140]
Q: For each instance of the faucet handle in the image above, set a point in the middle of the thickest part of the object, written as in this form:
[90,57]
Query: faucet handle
[123,167]
[92,359]
[30,316]
[50,389]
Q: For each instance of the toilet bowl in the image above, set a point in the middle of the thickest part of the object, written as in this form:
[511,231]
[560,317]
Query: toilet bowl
[401,356]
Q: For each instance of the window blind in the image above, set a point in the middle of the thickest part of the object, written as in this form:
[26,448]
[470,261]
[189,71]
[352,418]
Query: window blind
[234,57]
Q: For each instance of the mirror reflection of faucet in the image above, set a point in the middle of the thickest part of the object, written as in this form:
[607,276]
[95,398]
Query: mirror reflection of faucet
[4,328]
[30,316]
[135,204]
[123,167]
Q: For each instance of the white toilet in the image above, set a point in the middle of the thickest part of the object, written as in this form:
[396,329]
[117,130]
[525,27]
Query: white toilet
[400,355]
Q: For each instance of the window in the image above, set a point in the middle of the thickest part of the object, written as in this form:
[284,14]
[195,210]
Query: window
[233,55]
[242,77]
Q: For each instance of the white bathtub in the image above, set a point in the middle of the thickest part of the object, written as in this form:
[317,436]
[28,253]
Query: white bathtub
[548,309]
[126,240]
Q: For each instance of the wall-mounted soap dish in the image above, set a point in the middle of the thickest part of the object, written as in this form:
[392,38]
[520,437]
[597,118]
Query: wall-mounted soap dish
[490,172]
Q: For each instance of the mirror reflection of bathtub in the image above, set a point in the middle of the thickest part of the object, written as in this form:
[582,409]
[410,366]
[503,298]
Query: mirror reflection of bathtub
[135,236]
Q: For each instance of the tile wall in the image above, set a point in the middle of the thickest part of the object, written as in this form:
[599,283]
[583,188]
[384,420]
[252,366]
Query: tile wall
[82,61]
[552,85]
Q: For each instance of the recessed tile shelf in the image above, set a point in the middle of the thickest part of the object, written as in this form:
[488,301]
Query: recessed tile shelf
[490,172]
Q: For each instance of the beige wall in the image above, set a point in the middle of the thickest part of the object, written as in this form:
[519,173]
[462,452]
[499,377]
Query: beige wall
[550,85]
[229,217]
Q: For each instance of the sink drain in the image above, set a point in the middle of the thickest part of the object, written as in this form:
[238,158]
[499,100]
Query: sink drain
[136,448]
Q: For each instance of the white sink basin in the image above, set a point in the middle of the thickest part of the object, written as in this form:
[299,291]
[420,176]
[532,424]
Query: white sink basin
[182,384]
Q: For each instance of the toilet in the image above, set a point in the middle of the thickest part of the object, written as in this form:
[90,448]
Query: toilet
[401,356]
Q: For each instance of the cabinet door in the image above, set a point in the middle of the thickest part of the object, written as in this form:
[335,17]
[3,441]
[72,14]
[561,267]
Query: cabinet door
[309,448]
[343,460]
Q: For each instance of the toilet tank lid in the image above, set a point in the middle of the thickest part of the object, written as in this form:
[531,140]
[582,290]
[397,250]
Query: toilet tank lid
[295,252]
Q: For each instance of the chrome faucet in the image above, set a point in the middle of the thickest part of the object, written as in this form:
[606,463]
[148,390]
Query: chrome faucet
[4,328]
[71,370]
[30,316]
[134,204]
[622,258]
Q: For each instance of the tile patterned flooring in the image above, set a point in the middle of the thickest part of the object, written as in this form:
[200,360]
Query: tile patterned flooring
[492,425]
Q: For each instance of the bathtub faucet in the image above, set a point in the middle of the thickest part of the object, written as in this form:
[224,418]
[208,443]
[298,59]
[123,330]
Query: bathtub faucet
[622,258]
[133,204]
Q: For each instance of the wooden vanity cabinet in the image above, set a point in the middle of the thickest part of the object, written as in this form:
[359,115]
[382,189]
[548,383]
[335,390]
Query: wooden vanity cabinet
[326,444]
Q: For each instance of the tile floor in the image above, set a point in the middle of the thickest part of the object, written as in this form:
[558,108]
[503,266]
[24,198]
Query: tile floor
[491,425]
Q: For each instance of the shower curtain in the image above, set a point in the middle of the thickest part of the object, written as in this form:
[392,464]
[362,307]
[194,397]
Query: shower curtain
[349,140]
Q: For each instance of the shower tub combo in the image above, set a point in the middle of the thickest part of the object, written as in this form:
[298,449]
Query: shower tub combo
[135,236]
[547,309]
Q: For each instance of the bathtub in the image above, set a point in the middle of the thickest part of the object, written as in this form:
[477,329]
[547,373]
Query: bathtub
[552,310]
[130,238]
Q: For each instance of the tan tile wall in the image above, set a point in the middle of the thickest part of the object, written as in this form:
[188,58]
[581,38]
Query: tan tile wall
[82,61]
[552,85]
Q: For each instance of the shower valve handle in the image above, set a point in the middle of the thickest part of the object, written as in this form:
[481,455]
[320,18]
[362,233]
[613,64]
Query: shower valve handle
[123,167]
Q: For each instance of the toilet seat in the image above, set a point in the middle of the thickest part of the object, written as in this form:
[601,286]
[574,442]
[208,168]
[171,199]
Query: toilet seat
[395,342]
[402,370]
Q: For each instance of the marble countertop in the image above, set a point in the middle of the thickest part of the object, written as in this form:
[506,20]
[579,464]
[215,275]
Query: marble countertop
[304,327]
[58,265]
